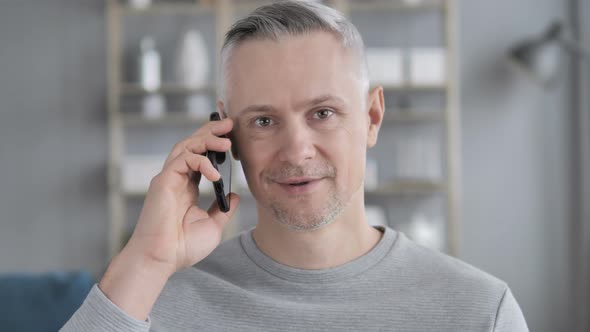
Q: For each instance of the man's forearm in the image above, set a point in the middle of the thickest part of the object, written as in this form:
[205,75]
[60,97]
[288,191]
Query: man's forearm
[133,284]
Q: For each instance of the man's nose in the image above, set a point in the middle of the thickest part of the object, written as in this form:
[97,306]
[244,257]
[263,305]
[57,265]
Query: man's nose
[297,144]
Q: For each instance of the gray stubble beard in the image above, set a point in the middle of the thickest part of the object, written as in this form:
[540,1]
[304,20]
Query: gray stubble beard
[309,222]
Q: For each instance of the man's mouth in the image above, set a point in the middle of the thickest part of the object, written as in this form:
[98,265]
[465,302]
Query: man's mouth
[299,185]
[298,181]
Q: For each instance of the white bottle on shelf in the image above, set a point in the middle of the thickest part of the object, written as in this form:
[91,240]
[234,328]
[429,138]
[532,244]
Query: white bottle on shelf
[192,63]
[140,4]
[149,65]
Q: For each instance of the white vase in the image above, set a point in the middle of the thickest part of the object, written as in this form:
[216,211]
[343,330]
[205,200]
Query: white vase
[192,66]
[140,4]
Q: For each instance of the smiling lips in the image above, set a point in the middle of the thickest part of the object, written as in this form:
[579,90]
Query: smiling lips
[299,185]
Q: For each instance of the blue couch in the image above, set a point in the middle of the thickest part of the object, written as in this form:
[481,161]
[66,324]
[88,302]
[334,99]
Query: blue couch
[41,302]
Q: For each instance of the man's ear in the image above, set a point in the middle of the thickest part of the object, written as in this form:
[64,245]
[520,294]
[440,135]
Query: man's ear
[376,110]
[224,114]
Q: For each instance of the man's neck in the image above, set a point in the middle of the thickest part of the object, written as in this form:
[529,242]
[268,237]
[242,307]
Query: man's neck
[348,237]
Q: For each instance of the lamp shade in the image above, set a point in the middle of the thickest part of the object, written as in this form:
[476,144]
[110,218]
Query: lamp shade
[540,57]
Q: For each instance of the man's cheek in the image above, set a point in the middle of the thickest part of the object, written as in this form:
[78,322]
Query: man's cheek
[253,161]
[342,134]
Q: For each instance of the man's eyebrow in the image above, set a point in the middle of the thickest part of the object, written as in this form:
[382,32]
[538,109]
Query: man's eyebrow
[308,103]
[256,109]
[321,99]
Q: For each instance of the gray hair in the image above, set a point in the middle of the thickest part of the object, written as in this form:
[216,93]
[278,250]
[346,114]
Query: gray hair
[292,18]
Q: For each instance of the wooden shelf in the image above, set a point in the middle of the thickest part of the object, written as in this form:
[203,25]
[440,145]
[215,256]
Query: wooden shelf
[409,187]
[171,118]
[360,5]
[377,5]
[412,87]
[170,9]
[413,116]
[249,5]
[394,188]
[134,194]
[169,89]
[244,193]
[180,118]
[137,194]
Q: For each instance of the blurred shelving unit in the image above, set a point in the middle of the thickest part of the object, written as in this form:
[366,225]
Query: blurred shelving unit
[136,89]
[224,13]
[446,116]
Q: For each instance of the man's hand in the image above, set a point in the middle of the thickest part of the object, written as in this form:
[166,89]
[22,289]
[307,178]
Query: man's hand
[172,232]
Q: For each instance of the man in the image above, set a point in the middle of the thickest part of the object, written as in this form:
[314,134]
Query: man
[296,103]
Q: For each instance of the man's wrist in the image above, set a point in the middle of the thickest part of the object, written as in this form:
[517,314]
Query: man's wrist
[133,283]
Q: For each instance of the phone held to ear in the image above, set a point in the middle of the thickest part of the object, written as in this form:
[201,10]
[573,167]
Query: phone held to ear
[218,158]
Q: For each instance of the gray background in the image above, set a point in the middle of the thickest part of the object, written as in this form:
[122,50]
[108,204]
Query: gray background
[516,155]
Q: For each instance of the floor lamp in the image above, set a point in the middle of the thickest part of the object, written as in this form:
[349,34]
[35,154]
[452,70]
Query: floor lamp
[539,57]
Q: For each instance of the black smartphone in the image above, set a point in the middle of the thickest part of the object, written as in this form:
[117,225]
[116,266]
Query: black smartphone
[217,159]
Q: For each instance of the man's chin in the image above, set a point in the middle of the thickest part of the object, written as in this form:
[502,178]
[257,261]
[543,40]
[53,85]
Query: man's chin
[297,226]
[301,219]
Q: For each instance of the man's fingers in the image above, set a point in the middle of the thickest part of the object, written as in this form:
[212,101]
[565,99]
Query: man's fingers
[221,127]
[215,128]
[205,138]
[220,217]
[212,143]
[206,228]
[199,146]
[188,162]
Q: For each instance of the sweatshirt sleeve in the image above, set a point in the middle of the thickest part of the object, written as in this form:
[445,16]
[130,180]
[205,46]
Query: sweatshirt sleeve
[509,317]
[98,313]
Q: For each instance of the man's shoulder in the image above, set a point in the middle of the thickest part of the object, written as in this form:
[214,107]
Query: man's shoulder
[432,268]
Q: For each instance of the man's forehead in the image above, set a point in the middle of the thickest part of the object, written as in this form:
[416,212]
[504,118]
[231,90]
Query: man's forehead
[295,70]
[316,51]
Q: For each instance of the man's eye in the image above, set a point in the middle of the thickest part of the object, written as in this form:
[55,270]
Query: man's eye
[262,121]
[323,113]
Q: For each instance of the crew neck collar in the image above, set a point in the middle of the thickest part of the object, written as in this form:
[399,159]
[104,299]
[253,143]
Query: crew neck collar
[334,274]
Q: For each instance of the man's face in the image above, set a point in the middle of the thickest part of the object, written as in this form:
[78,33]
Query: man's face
[300,126]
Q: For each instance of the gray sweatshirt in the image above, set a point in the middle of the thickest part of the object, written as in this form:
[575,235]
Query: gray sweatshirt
[397,286]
